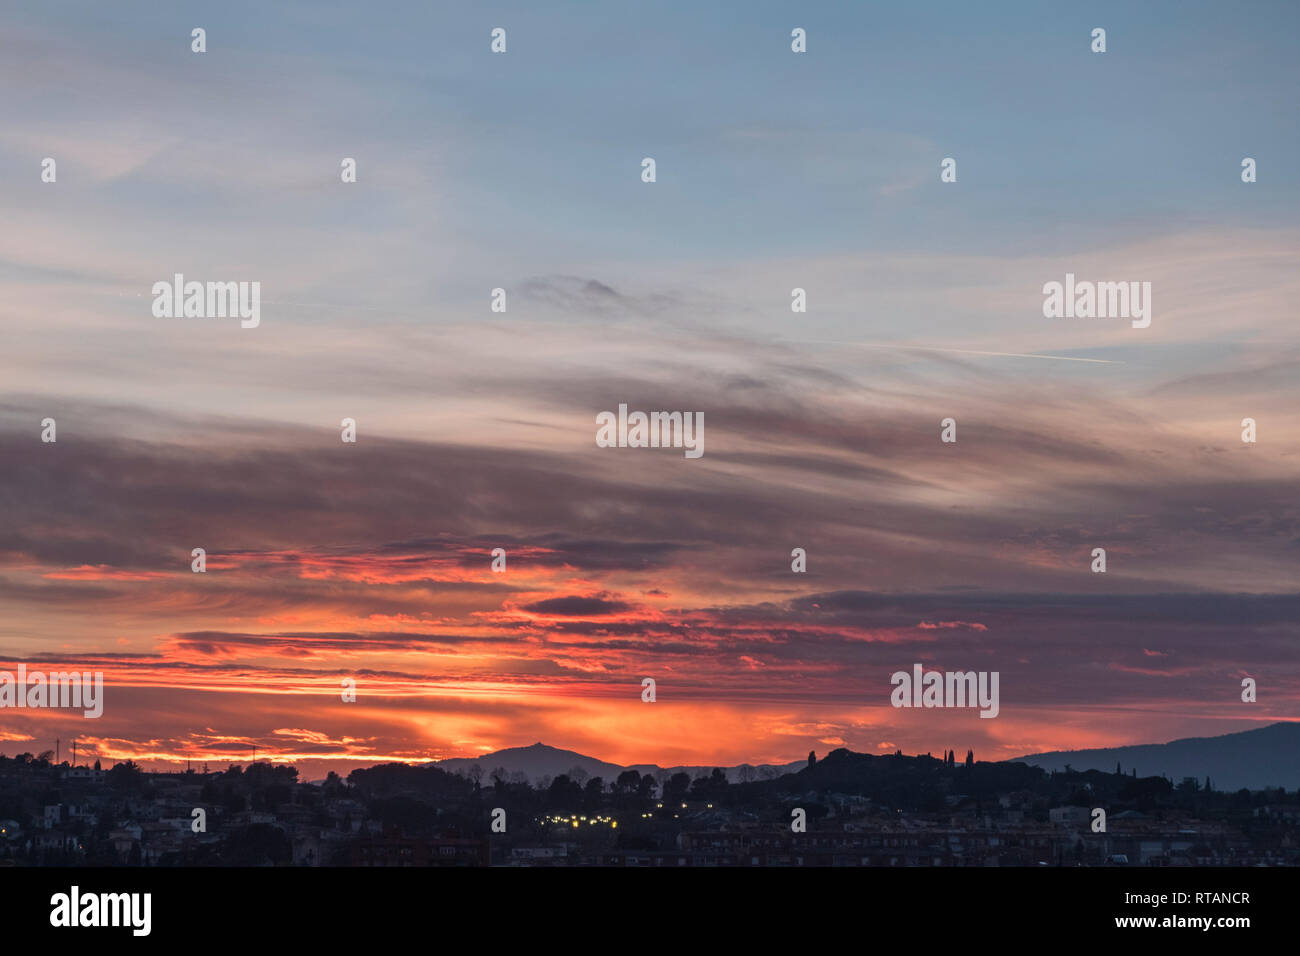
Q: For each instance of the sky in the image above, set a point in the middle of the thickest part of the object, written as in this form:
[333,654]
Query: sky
[476,429]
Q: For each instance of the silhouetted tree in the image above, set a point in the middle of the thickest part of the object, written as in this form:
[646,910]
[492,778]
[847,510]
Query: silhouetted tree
[257,845]
[564,793]
[712,787]
[645,790]
[593,792]
[125,776]
[676,787]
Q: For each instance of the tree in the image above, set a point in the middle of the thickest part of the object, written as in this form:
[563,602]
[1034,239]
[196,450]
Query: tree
[970,758]
[564,793]
[125,776]
[746,773]
[710,787]
[676,787]
[475,773]
[258,845]
[812,758]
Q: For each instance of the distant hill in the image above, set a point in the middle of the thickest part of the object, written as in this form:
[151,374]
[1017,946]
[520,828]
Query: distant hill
[1255,759]
[536,761]
[540,761]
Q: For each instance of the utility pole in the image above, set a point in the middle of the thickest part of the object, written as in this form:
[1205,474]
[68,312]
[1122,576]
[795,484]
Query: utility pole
[74,753]
[57,742]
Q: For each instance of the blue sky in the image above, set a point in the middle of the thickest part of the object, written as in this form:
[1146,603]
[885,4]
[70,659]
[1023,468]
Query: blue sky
[759,151]
[775,170]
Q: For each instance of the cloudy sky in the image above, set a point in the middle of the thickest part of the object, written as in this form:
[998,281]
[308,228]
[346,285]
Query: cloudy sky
[476,429]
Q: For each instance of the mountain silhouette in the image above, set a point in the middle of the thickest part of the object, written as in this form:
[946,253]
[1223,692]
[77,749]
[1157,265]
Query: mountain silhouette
[536,761]
[539,760]
[1254,759]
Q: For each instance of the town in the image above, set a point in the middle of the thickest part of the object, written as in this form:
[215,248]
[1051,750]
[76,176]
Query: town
[861,810]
